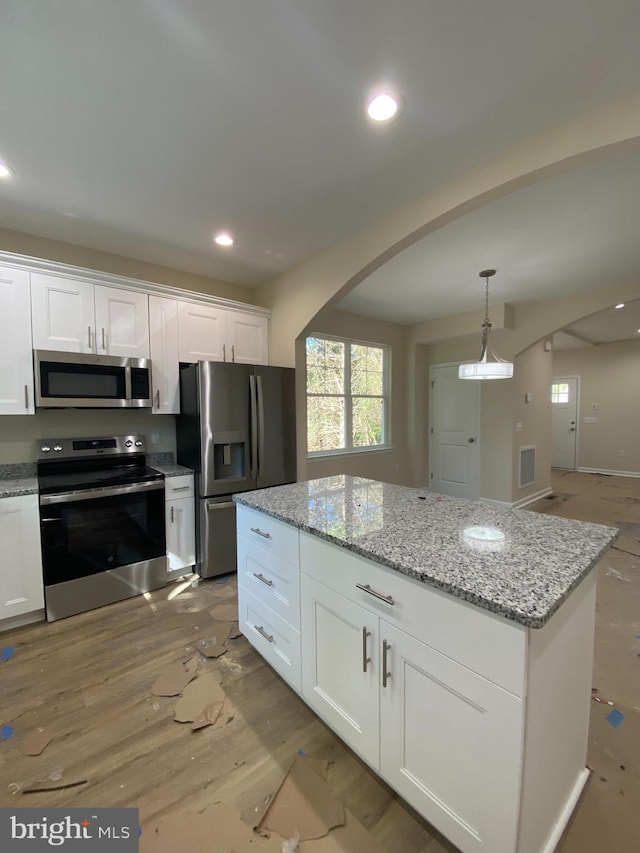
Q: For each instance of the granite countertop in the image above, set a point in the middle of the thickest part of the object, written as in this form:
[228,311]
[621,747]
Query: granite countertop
[172,470]
[23,486]
[519,564]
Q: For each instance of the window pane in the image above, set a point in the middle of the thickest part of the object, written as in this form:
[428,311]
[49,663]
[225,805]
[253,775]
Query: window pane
[325,423]
[325,366]
[366,369]
[367,421]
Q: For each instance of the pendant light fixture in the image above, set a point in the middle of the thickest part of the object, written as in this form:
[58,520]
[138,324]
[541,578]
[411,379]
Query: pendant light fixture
[489,366]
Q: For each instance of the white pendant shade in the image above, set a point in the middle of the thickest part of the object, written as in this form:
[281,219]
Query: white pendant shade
[486,370]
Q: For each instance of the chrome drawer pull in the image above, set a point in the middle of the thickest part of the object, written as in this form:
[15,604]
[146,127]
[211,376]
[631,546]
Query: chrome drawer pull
[365,659]
[385,675]
[180,489]
[366,588]
[260,630]
[262,578]
[261,533]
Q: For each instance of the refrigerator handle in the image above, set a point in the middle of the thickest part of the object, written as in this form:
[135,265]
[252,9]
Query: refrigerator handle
[260,425]
[254,427]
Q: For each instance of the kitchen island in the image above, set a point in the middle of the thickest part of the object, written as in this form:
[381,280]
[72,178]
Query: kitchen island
[448,642]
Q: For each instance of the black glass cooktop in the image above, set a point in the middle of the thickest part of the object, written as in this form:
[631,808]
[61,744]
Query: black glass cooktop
[58,479]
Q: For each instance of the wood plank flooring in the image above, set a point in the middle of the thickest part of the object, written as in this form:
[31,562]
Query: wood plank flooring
[87,680]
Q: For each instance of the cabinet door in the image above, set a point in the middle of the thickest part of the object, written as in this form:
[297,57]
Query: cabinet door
[451,744]
[16,383]
[180,520]
[336,651]
[21,586]
[62,314]
[163,347]
[122,322]
[201,332]
[247,338]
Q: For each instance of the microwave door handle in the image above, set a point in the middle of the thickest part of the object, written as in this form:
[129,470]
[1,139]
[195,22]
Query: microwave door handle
[260,424]
[254,426]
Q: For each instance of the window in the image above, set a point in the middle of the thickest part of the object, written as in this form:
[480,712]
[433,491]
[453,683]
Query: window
[559,392]
[347,396]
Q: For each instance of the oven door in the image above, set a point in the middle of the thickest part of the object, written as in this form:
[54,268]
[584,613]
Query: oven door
[85,533]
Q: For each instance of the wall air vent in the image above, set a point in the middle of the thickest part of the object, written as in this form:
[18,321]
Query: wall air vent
[527,468]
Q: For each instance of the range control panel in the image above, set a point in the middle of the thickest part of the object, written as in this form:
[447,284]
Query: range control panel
[70,448]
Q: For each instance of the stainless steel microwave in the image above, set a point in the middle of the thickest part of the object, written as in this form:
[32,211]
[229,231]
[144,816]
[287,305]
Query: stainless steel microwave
[84,380]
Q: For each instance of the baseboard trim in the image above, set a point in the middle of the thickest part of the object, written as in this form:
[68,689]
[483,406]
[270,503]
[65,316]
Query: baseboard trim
[24,619]
[529,499]
[609,472]
[565,815]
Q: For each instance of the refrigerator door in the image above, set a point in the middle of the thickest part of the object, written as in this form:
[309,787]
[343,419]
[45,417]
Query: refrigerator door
[225,428]
[276,422]
[217,539]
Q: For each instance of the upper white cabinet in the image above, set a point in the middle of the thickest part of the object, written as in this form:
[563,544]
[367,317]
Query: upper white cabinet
[163,344]
[16,382]
[77,316]
[212,333]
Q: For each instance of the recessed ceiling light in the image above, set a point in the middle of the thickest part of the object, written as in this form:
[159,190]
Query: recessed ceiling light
[620,305]
[224,239]
[382,107]
[5,171]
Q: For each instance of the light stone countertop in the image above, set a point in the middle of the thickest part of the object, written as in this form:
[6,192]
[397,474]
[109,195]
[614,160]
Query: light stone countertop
[521,565]
[172,470]
[14,488]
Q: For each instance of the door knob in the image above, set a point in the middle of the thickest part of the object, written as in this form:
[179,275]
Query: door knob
[471,440]
[572,429]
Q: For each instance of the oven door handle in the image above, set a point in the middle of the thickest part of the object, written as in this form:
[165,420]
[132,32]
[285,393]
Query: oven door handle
[107,492]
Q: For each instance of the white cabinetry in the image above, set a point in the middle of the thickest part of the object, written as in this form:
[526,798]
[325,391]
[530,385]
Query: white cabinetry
[180,521]
[163,346]
[16,355]
[21,585]
[268,591]
[448,702]
[72,315]
[212,333]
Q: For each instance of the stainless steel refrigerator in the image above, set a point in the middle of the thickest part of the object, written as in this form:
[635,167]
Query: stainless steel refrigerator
[237,431]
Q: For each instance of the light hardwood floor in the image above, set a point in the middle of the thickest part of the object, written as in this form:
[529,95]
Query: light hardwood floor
[87,680]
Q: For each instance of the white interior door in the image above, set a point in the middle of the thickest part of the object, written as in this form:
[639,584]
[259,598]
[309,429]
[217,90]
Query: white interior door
[454,448]
[564,421]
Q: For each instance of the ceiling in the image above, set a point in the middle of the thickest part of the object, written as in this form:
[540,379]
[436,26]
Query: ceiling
[141,127]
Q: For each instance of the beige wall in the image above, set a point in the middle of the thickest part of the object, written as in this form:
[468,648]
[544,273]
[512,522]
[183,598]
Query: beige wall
[609,378]
[67,253]
[389,465]
[19,433]
[532,375]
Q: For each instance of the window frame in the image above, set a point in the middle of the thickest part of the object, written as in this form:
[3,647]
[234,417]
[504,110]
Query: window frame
[348,397]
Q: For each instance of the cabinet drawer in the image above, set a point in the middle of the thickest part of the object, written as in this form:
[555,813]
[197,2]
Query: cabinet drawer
[275,639]
[268,533]
[271,580]
[178,487]
[478,639]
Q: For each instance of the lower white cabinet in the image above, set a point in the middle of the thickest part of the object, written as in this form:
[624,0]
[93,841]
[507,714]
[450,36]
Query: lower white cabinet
[448,702]
[21,584]
[180,522]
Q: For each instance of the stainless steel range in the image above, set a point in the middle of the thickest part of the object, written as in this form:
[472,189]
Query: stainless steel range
[101,520]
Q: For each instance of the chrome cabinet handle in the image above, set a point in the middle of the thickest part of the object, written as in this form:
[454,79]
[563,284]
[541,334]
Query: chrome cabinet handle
[260,630]
[26,396]
[261,533]
[104,346]
[366,588]
[224,352]
[233,353]
[158,399]
[365,659]
[385,675]
[181,489]
[262,578]
[171,515]
[89,337]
